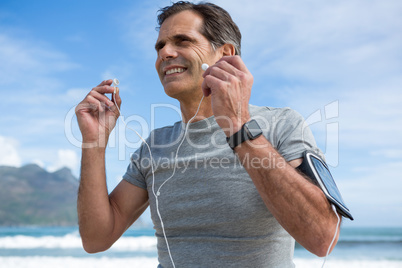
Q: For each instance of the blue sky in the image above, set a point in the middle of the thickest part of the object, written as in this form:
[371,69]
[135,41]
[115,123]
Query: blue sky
[338,63]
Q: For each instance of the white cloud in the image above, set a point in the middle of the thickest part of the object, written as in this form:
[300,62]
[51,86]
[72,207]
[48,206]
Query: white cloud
[369,116]
[318,40]
[29,63]
[140,29]
[385,177]
[65,158]
[322,43]
[372,117]
[37,100]
[39,162]
[124,72]
[388,153]
[75,95]
[9,155]
[372,193]
[29,69]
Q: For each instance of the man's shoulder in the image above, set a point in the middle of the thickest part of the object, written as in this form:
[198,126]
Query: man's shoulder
[274,113]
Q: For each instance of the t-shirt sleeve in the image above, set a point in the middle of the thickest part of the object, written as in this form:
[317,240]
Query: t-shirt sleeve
[133,174]
[293,136]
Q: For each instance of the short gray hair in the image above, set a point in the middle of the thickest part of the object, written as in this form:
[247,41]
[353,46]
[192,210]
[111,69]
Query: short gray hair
[218,26]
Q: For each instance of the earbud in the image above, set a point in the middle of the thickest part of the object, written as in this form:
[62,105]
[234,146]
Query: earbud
[204,66]
[116,82]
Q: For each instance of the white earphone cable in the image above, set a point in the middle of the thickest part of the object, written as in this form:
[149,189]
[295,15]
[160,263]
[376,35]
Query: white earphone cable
[177,151]
[116,82]
[333,239]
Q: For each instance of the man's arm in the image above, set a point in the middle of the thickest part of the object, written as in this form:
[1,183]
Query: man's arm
[102,218]
[298,205]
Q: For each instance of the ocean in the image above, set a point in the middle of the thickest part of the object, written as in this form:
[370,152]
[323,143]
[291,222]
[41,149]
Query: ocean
[61,247]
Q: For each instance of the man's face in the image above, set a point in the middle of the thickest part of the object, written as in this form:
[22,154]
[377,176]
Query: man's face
[181,51]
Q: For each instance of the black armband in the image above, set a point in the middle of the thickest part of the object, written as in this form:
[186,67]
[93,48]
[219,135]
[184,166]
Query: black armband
[317,170]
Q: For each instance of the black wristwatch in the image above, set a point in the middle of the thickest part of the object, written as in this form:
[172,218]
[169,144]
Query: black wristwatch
[249,131]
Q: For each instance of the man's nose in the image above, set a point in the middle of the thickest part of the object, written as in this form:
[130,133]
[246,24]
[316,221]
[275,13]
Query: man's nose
[167,52]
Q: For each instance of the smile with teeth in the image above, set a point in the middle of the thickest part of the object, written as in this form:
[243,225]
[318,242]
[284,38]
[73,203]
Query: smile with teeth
[175,70]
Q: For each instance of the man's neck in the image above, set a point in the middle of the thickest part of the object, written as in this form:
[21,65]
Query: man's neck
[189,109]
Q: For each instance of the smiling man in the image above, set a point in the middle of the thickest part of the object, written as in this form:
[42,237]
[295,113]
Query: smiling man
[239,202]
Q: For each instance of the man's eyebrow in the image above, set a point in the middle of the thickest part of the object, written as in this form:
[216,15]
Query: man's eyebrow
[161,43]
[183,37]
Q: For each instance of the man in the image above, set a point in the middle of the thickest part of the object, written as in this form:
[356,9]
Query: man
[228,208]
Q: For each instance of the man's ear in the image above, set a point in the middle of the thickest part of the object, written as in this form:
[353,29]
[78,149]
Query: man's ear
[228,50]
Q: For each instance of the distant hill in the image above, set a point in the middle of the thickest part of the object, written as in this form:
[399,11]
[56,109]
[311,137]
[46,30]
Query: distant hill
[32,196]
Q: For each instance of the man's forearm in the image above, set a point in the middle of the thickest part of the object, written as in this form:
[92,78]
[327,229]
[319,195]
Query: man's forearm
[298,205]
[94,210]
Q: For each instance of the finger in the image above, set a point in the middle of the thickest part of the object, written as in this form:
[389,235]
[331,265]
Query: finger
[229,68]
[224,73]
[115,94]
[205,89]
[235,61]
[90,105]
[211,83]
[93,105]
[224,66]
[104,89]
[106,82]
[116,98]
[100,97]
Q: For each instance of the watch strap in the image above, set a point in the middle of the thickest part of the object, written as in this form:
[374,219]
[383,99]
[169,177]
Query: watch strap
[243,135]
[237,138]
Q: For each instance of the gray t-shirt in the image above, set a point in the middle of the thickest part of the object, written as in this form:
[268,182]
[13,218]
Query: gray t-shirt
[212,213]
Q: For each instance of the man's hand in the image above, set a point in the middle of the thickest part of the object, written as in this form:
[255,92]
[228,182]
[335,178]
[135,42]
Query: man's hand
[97,115]
[229,83]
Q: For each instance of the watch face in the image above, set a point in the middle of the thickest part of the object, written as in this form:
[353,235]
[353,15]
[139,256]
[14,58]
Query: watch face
[254,129]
